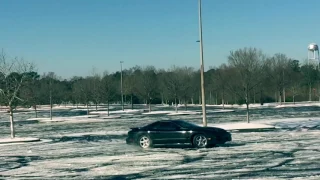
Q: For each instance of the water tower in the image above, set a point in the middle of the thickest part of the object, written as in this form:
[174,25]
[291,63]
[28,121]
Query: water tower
[313,54]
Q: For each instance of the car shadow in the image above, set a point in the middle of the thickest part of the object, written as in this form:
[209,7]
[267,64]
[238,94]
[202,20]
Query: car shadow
[190,147]
[174,146]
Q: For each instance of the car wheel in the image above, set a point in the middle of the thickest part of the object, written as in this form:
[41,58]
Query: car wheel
[200,141]
[145,141]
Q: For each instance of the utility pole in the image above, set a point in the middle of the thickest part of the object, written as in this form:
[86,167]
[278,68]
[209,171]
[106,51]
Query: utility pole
[121,87]
[204,115]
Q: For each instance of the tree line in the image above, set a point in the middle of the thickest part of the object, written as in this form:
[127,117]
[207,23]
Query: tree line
[248,76]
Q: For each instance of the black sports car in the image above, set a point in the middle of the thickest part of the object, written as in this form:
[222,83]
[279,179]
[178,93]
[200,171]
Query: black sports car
[177,132]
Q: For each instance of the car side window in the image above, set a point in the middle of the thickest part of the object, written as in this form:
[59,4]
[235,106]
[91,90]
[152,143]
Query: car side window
[165,126]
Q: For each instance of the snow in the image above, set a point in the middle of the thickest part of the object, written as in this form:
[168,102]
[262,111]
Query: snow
[290,123]
[298,105]
[54,119]
[95,133]
[265,105]
[39,118]
[117,112]
[74,119]
[18,140]
[47,108]
[86,116]
[157,112]
[65,107]
[110,117]
[163,105]
[99,112]
[251,155]
[242,126]
[77,148]
[172,113]
[183,113]
[62,118]
[220,111]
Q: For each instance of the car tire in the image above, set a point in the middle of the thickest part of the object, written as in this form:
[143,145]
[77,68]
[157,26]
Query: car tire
[144,141]
[200,141]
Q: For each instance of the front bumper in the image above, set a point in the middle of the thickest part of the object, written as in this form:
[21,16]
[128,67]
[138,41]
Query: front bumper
[130,140]
[220,139]
[227,137]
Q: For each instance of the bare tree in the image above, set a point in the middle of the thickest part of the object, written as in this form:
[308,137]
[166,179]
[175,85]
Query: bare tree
[13,74]
[163,89]
[173,82]
[95,81]
[129,86]
[310,74]
[30,90]
[107,89]
[96,89]
[247,64]
[220,79]
[75,92]
[147,84]
[279,72]
[294,82]
[185,75]
[83,87]
[65,92]
[295,89]
[51,79]
[195,89]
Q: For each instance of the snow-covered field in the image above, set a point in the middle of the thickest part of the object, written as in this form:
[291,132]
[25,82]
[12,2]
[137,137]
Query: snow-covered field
[96,149]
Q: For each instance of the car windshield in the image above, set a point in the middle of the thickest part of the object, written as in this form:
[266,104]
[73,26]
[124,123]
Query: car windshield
[185,124]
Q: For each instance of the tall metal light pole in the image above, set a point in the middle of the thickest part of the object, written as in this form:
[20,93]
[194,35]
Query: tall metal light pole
[121,87]
[204,115]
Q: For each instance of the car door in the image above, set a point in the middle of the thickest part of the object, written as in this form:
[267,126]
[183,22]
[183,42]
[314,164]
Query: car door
[165,133]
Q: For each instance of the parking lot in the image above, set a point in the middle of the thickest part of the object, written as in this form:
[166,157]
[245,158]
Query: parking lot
[98,151]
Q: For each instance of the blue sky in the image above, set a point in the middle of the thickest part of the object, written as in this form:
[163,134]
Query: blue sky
[70,37]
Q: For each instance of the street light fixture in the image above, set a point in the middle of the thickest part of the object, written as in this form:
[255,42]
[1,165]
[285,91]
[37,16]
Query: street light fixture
[122,104]
[204,115]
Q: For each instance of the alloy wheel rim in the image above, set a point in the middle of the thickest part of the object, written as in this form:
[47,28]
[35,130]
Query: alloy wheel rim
[201,141]
[144,142]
